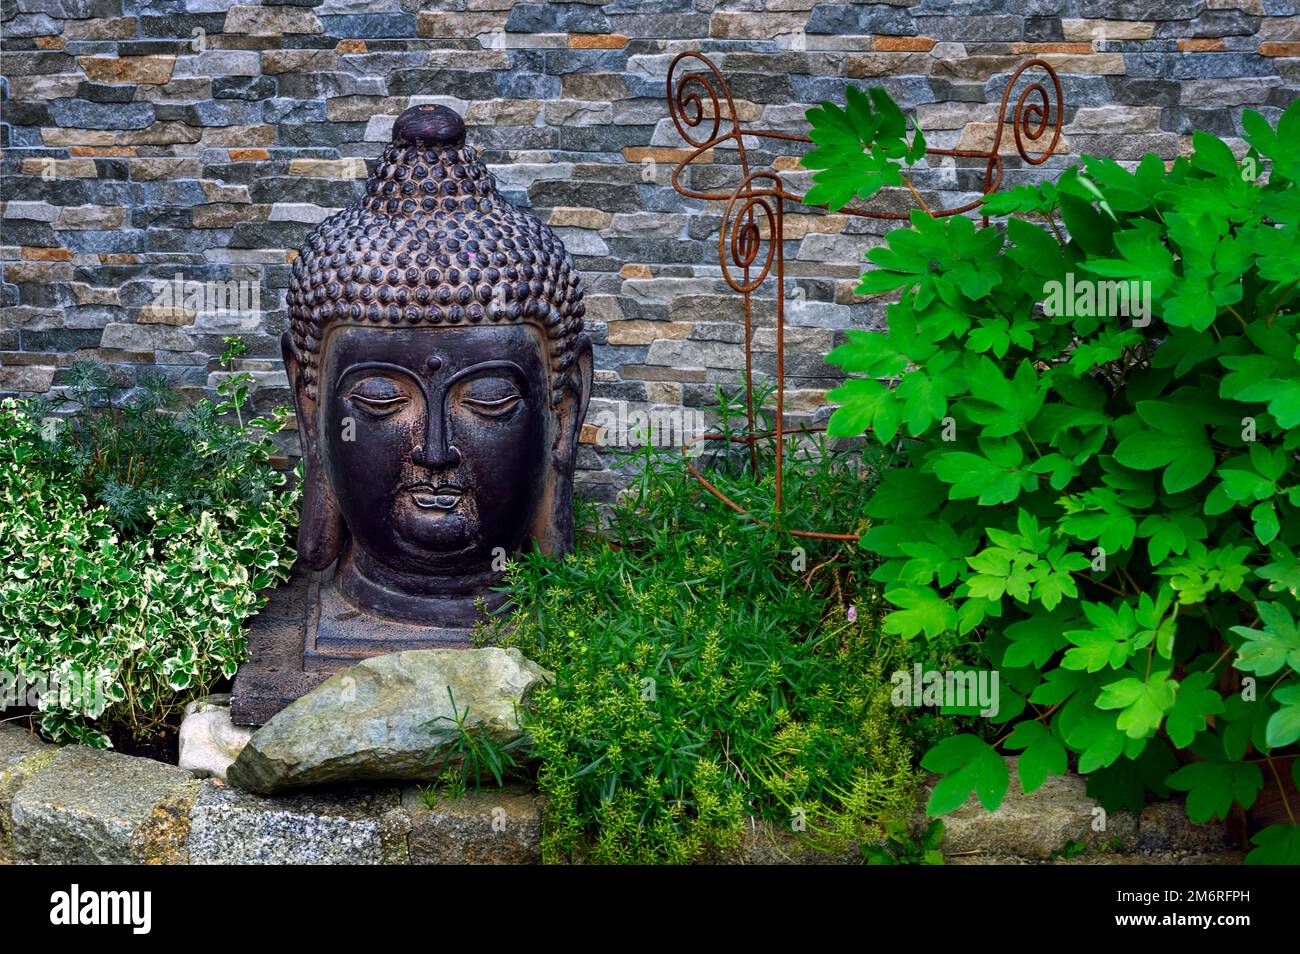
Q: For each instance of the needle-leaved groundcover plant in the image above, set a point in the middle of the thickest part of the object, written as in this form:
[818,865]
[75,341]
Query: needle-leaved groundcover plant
[135,539]
[710,669]
[1102,493]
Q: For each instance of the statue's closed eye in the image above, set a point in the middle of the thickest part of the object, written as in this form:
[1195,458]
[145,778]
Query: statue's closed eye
[491,397]
[378,397]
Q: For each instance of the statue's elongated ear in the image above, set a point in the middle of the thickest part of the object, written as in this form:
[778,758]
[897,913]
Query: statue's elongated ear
[554,534]
[321,528]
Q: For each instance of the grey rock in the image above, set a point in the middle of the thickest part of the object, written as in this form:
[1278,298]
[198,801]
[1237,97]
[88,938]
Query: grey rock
[92,806]
[370,24]
[858,19]
[556,18]
[389,717]
[1164,826]
[1141,9]
[489,826]
[349,825]
[243,87]
[22,755]
[1034,825]
[81,114]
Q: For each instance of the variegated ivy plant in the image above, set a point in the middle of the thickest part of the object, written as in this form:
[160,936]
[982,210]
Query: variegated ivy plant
[106,622]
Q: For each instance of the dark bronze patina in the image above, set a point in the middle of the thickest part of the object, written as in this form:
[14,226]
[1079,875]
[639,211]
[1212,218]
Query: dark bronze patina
[441,376]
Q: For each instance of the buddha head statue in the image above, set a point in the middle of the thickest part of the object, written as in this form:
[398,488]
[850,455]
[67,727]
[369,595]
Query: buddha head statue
[440,375]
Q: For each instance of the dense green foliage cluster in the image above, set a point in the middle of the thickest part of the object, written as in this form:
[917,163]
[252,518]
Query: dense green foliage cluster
[134,542]
[707,671]
[1105,497]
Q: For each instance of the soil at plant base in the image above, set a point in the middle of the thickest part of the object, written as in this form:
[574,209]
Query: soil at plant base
[162,745]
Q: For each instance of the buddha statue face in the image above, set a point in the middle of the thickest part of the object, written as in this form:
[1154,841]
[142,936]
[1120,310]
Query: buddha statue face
[440,377]
[434,442]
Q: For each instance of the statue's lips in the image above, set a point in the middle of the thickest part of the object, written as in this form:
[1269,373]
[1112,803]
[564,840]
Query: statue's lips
[428,497]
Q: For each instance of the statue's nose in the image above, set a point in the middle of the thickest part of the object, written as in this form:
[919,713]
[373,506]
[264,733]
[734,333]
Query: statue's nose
[435,452]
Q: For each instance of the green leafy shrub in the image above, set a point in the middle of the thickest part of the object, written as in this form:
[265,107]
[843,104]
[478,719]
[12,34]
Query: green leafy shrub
[133,544]
[1106,499]
[707,671]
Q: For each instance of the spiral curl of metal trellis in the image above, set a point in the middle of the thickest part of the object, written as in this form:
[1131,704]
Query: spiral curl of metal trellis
[1034,113]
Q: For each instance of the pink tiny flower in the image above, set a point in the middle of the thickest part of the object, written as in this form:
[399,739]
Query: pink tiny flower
[852,614]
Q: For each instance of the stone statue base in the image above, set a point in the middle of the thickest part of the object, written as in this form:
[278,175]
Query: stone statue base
[307,632]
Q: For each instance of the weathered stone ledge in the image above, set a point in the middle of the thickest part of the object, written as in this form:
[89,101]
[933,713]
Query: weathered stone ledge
[77,805]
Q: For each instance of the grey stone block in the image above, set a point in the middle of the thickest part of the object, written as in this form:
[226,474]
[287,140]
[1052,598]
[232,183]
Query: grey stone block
[1035,825]
[90,806]
[488,826]
[349,825]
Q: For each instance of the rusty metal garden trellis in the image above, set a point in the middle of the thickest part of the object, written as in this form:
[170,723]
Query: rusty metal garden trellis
[764,192]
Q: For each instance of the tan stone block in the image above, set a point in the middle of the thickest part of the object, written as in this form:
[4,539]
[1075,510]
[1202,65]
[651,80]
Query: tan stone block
[580,218]
[80,168]
[795,227]
[868,65]
[663,392]
[1202,45]
[1115,120]
[458,25]
[272,21]
[153,69]
[39,271]
[107,28]
[597,41]
[224,216]
[578,112]
[328,168]
[902,44]
[95,295]
[665,154]
[55,138]
[164,315]
[249,155]
[817,340]
[155,169]
[751,25]
[49,42]
[979,136]
[469,59]
[351,109]
[635,271]
[603,87]
[638,332]
[1279,49]
[1033,49]
[121,336]
[36,254]
[805,399]
[351,46]
[104,217]
[503,112]
[32,379]
[214,191]
[118,152]
[239,136]
[45,86]
[1107,29]
[652,372]
[275,62]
